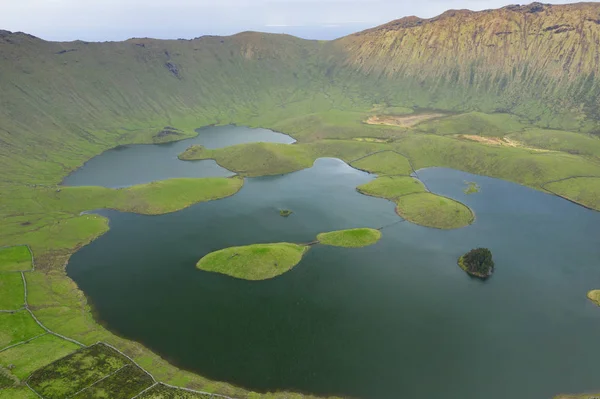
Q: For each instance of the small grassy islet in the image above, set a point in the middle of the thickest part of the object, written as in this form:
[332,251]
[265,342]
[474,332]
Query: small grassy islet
[471,188]
[351,238]
[254,262]
[594,296]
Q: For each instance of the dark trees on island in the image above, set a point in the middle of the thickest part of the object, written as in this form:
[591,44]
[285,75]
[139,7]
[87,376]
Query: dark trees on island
[478,262]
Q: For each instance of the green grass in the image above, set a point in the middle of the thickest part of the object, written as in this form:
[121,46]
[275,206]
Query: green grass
[384,163]
[352,238]
[17,327]
[430,210]
[255,159]
[254,262]
[583,190]
[557,140]
[124,384]
[474,123]
[13,292]
[73,373]
[392,187]
[15,259]
[262,159]
[514,164]
[29,357]
[17,393]
[164,392]
[471,188]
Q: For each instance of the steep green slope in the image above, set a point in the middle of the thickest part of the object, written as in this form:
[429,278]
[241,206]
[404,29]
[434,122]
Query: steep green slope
[524,59]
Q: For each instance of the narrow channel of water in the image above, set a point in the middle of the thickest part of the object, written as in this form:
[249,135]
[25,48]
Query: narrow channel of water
[398,319]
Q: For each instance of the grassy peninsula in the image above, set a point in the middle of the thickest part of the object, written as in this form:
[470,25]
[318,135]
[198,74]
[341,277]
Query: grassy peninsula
[254,262]
[352,238]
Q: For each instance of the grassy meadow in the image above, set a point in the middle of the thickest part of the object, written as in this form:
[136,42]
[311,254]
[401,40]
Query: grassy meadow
[254,262]
[351,238]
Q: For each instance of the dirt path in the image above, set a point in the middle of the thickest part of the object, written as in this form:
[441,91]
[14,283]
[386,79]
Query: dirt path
[401,120]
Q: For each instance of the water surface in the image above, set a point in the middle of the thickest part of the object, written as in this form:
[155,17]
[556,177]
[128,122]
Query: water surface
[398,319]
[137,164]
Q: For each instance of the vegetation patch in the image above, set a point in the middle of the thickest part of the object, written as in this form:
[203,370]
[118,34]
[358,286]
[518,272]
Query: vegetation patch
[558,140]
[71,374]
[477,262]
[17,327]
[15,259]
[6,379]
[13,292]
[255,159]
[22,360]
[471,188]
[161,391]
[392,187]
[582,190]
[124,384]
[384,163]
[352,238]
[474,123]
[594,296]
[20,392]
[285,212]
[254,262]
[431,210]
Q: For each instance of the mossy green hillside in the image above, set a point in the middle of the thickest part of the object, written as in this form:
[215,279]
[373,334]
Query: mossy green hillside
[37,353]
[254,262]
[431,210]
[582,190]
[351,238]
[17,327]
[384,163]
[13,293]
[474,123]
[557,140]
[15,258]
[71,374]
[392,187]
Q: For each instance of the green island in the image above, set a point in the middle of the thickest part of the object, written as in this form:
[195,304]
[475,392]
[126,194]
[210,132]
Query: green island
[594,296]
[472,188]
[285,212]
[351,238]
[532,122]
[254,262]
[477,263]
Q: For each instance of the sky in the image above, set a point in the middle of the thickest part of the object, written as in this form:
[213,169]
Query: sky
[108,20]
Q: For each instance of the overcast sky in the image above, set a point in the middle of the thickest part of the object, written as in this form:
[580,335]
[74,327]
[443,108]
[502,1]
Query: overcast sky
[100,20]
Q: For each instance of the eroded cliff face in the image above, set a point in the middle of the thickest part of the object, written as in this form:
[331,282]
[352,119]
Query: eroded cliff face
[550,51]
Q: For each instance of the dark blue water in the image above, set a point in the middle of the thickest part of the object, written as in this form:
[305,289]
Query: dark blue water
[398,319]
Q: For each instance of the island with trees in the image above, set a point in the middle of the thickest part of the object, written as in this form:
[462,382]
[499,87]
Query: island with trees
[477,262]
